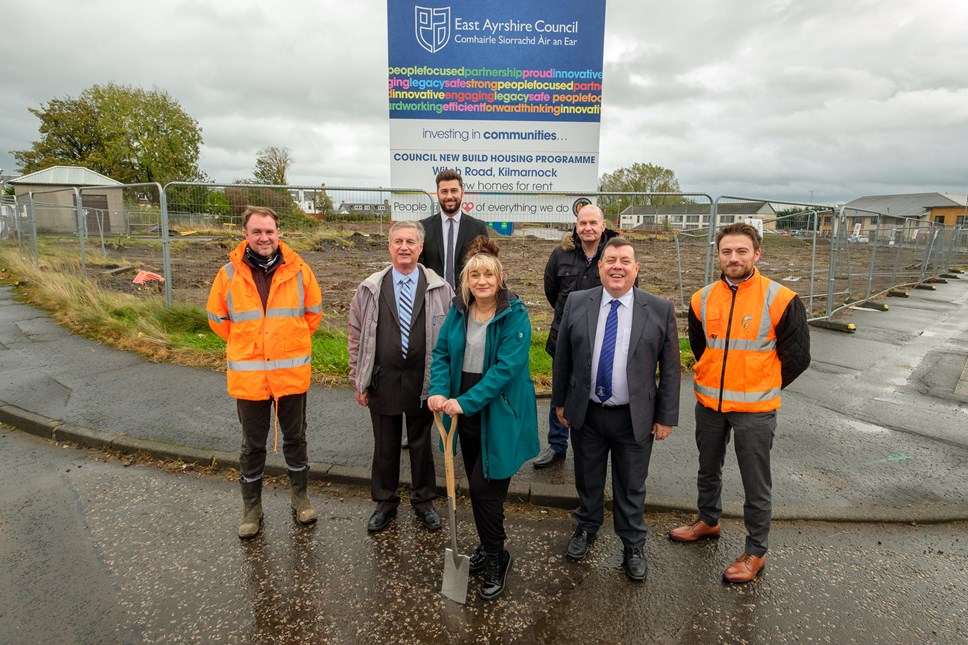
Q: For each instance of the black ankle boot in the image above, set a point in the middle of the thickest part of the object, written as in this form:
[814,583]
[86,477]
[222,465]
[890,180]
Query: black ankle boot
[477,560]
[496,568]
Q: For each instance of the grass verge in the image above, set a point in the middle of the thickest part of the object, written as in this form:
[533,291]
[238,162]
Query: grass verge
[180,334]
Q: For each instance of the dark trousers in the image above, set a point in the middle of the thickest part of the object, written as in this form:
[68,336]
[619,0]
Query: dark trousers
[487,495]
[385,472]
[256,419]
[754,433]
[608,431]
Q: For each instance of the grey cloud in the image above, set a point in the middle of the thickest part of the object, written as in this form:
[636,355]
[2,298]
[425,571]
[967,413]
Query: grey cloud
[763,97]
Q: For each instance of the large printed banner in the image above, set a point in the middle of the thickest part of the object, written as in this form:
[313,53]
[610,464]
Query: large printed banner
[508,93]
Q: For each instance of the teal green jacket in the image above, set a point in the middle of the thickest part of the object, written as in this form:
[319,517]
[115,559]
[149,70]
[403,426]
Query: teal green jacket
[505,394]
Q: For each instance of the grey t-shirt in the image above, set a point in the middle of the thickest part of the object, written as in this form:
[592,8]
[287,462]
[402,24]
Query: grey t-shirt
[474,346]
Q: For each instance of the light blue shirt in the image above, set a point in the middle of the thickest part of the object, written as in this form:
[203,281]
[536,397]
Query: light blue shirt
[397,277]
[620,380]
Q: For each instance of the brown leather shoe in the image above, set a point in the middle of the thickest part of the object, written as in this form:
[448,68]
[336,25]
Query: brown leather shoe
[745,568]
[695,531]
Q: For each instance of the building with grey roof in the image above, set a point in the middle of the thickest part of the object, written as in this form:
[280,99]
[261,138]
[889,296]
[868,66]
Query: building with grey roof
[54,199]
[692,215]
[911,210]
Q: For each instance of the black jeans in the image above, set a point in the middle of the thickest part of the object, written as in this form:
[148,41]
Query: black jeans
[487,495]
[256,419]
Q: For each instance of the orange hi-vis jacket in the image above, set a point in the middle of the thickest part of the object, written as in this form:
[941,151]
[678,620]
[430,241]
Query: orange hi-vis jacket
[268,352]
[740,371]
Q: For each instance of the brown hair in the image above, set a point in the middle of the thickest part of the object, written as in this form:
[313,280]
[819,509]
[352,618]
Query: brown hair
[481,254]
[617,241]
[258,210]
[740,228]
[449,175]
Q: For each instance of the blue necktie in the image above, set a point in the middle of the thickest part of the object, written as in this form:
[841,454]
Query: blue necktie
[603,380]
[406,313]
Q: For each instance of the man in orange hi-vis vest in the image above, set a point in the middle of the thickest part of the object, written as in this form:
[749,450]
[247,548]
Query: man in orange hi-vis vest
[751,339]
[266,304]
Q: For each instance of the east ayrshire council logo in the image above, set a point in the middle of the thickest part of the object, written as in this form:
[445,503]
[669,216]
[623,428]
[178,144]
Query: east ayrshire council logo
[432,27]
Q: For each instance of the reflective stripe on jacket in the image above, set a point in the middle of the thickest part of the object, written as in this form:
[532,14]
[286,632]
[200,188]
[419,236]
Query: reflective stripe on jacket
[740,371]
[268,353]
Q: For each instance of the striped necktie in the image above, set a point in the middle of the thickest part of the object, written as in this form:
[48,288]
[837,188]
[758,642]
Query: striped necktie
[405,310]
[606,360]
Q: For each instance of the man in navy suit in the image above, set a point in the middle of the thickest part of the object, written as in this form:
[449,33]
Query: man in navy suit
[612,341]
[449,234]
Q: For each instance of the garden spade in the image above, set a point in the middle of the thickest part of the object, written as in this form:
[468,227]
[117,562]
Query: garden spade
[456,566]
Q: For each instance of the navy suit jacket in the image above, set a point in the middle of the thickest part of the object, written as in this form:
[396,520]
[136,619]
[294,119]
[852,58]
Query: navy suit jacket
[654,343]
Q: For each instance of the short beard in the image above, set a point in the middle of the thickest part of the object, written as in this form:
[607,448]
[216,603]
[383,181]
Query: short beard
[447,212]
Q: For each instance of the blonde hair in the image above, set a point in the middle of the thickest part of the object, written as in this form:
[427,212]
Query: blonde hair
[481,255]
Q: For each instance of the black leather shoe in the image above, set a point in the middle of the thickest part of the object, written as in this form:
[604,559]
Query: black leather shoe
[579,543]
[477,560]
[496,567]
[430,520]
[379,520]
[634,564]
[547,458]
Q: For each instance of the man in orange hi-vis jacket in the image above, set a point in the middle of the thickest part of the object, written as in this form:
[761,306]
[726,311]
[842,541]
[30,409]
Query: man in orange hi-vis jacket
[266,304]
[751,339]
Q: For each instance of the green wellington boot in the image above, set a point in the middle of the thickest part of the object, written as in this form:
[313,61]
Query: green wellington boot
[298,499]
[251,521]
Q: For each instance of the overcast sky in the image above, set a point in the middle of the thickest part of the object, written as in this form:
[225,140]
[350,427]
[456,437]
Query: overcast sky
[777,99]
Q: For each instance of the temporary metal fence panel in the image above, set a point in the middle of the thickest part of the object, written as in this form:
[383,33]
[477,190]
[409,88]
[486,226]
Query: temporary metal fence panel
[896,246]
[847,255]
[50,229]
[15,223]
[87,231]
[690,263]
[873,253]
[203,213]
[8,217]
[300,208]
[794,250]
[642,216]
[825,254]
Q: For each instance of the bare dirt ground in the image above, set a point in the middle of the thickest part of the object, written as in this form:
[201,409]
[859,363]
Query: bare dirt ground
[342,261]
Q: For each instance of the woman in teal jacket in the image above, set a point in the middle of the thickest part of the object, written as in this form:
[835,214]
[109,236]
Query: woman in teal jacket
[480,370]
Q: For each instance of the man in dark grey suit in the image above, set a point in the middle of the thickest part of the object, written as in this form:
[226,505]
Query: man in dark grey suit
[611,341]
[449,234]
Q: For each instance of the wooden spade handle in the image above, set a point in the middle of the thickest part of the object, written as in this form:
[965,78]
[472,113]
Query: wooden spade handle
[448,438]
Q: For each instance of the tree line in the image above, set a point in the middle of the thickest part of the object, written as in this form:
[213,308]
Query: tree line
[138,136]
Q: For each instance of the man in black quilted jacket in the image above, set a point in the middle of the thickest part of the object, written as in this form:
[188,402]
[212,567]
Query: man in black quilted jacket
[573,266]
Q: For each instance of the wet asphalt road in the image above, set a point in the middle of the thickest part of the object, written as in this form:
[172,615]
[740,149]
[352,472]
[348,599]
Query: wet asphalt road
[93,551]
[873,430]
